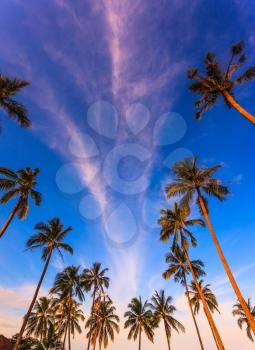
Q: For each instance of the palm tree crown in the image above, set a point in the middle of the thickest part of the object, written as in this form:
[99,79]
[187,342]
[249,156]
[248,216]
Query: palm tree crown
[218,81]
[94,279]
[210,298]
[242,319]
[9,87]
[102,324]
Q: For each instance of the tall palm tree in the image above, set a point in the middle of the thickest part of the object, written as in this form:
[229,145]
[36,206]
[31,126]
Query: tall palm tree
[178,269]
[242,319]
[49,238]
[194,181]
[175,224]
[40,318]
[102,324]
[9,87]
[94,280]
[139,319]
[210,297]
[218,81]
[163,309]
[67,285]
[68,315]
[19,184]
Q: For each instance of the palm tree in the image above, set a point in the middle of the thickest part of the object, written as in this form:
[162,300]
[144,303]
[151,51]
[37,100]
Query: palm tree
[19,184]
[210,297]
[49,238]
[102,324]
[194,181]
[51,341]
[67,285]
[219,81]
[68,314]
[94,280]
[40,318]
[175,224]
[242,319]
[178,269]
[139,319]
[9,87]
[163,309]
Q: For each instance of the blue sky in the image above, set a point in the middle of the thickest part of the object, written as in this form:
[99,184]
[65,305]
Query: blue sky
[129,61]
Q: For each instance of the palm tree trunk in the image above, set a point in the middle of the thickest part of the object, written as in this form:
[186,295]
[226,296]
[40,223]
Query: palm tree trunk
[140,339]
[9,220]
[69,335]
[207,311]
[239,108]
[16,347]
[92,308]
[214,336]
[168,340]
[64,340]
[192,313]
[225,265]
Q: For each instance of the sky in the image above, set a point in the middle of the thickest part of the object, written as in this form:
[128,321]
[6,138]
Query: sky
[111,112]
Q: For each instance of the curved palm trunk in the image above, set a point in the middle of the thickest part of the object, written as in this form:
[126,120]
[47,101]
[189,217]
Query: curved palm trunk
[168,340]
[140,339]
[226,266]
[239,108]
[92,308]
[207,311]
[9,220]
[16,347]
[213,335]
[192,313]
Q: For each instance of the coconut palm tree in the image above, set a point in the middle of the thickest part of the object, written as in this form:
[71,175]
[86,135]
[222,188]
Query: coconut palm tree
[40,319]
[242,319]
[175,224]
[178,269]
[102,324]
[49,237]
[51,341]
[163,309]
[94,280]
[19,184]
[139,319]
[68,284]
[68,315]
[210,297]
[194,182]
[9,87]
[221,81]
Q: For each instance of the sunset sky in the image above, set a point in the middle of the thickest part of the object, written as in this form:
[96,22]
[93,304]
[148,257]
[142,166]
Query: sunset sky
[110,107]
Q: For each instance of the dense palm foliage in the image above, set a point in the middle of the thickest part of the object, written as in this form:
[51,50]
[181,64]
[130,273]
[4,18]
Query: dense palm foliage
[50,341]
[95,281]
[9,87]
[41,318]
[20,184]
[49,237]
[221,81]
[103,323]
[242,319]
[139,318]
[163,310]
[196,182]
[210,297]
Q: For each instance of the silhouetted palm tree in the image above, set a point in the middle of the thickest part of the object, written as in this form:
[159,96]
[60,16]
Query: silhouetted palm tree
[178,269]
[40,318]
[242,319]
[139,319]
[219,81]
[175,224]
[67,285]
[94,280]
[9,87]
[49,238]
[192,181]
[102,324]
[163,309]
[19,184]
